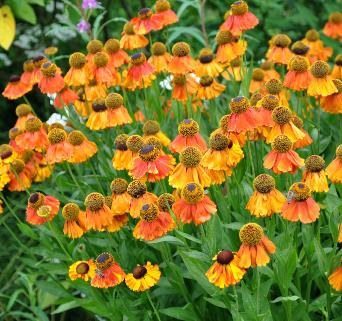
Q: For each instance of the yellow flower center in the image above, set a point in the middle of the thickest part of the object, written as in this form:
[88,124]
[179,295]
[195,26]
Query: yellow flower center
[149,212]
[206,56]
[94,46]
[192,193]
[158,49]
[188,128]
[108,200]
[190,157]
[225,257]
[13,133]
[119,186]
[101,59]
[76,138]
[220,142]
[264,183]
[206,81]
[138,59]
[255,98]
[282,144]
[338,84]
[53,126]
[36,200]
[251,234]
[139,272]
[335,18]
[28,66]
[145,13]
[94,201]
[151,127]
[48,69]
[281,40]
[258,74]
[298,64]
[165,202]
[314,163]
[17,166]
[114,100]
[23,110]
[312,35]
[267,65]
[129,28]
[274,86]
[44,211]
[136,189]
[112,46]
[38,61]
[82,268]
[239,8]
[56,136]
[301,191]
[148,153]
[239,105]
[6,151]
[120,142]
[104,261]
[179,80]
[224,121]
[320,69]
[180,49]
[33,124]
[162,5]
[134,143]
[99,105]
[270,102]
[281,115]
[154,141]
[70,211]
[223,37]
[299,48]
[77,60]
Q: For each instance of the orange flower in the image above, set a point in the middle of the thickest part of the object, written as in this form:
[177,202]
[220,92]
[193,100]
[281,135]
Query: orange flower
[140,73]
[298,77]
[243,118]
[337,69]
[269,71]
[94,90]
[283,125]
[165,14]
[223,153]
[152,128]
[321,84]
[98,118]
[181,62]
[51,81]
[13,133]
[209,88]
[98,215]
[229,47]
[78,73]
[122,156]
[34,136]
[267,104]
[333,103]
[82,148]
[121,200]
[282,159]
[165,202]
[27,77]
[160,58]
[275,87]
[65,97]
[117,56]
[16,88]
[153,224]
[235,71]
[335,279]
[151,163]
[255,246]
[314,175]
[146,22]
[103,72]
[38,61]
[134,144]
[118,220]
[207,64]
[74,225]
[20,176]
[334,169]
[237,138]
[130,40]
[226,270]
[257,81]
[189,169]
[117,112]
[59,148]
[23,112]
[188,135]
[266,199]
[300,205]
[239,19]
[108,273]
[84,270]
[81,105]
[41,208]
[279,52]
[138,192]
[316,51]
[93,47]
[184,86]
[333,28]
[217,177]
[307,140]
[194,205]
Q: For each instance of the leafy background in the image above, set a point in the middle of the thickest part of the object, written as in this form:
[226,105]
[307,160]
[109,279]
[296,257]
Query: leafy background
[34,261]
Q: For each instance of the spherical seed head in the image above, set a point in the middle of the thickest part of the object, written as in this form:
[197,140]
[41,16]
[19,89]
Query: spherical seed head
[297,121]
[255,98]
[239,104]
[120,142]
[99,105]
[299,48]
[190,157]
[100,59]
[281,144]
[134,143]
[270,102]
[298,64]
[225,257]
[258,74]
[149,212]
[28,65]
[94,201]
[104,261]
[264,183]
[154,141]
[206,81]
[206,56]
[267,65]
[94,46]
[179,80]
[281,40]
[162,5]
[165,202]
[138,59]
[82,268]
[54,125]
[36,200]
[23,110]
[192,193]
[13,133]
[314,163]
[70,211]
[33,124]
[145,13]
[76,138]
[77,60]
[180,49]
[301,191]
[44,211]
[5,151]
[108,200]
[320,69]
[338,60]
[158,49]
[114,100]
[339,151]
[223,37]
[335,18]
[129,28]
[251,234]
[56,136]
[224,121]
[39,60]
[312,35]
[112,45]
[274,86]
[139,272]
[281,115]
[48,69]
[219,142]
[148,153]
[239,8]
[17,166]
[151,127]
[338,84]
[188,128]
[119,186]
[136,189]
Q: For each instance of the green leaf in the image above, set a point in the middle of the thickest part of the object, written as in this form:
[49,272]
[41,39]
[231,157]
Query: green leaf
[37,2]
[66,306]
[23,11]
[286,298]
[27,230]
[167,239]
[185,313]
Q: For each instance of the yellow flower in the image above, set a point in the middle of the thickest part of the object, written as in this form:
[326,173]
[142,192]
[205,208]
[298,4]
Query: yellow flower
[84,270]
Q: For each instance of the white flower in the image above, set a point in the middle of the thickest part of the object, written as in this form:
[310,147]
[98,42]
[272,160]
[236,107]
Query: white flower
[166,83]
[57,118]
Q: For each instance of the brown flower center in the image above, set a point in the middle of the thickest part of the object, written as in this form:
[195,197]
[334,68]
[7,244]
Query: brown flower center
[281,40]
[129,28]
[314,163]
[258,74]
[312,35]
[23,110]
[138,59]
[206,81]
[298,64]
[82,268]
[190,157]
[299,48]
[76,138]
[251,234]
[219,142]
[320,69]
[100,59]
[112,46]
[148,153]
[301,191]
[120,142]
[145,13]
[33,124]
[136,189]
[104,261]
[239,104]
[94,46]
[70,211]
[339,152]
[270,102]
[149,212]
[188,128]
[151,127]
[165,202]
[114,100]
[225,257]
[94,201]
[77,60]
[48,69]
[119,186]
[28,66]
[36,200]
[192,193]
[274,86]
[56,136]
[239,8]
[158,49]
[223,37]
[134,143]
[281,115]
[264,183]
[255,98]
[335,18]
[180,49]
[17,166]
[281,144]
[162,5]
[99,105]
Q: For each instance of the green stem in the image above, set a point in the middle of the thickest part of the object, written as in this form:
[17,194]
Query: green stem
[59,241]
[153,306]
[74,178]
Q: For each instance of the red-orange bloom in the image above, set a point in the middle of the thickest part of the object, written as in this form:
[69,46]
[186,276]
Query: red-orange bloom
[335,278]
[160,58]
[333,28]
[82,148]
[316,51]
[279,52]
[20,176]
[307,140]
[164,12]
[209,88]
[102,72]
[74,225]
[65,97]
[51,81]
[130,40]
[333,103]
[27,77]
[98,118]
[38,61]
[146,22]
[314,175]
[59,148]
[16,88]
[78,73]
[23,112]
[121,200]
[181,62]
[334,169]
[298,77]
[117,112]
[117,56]
[184,86]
